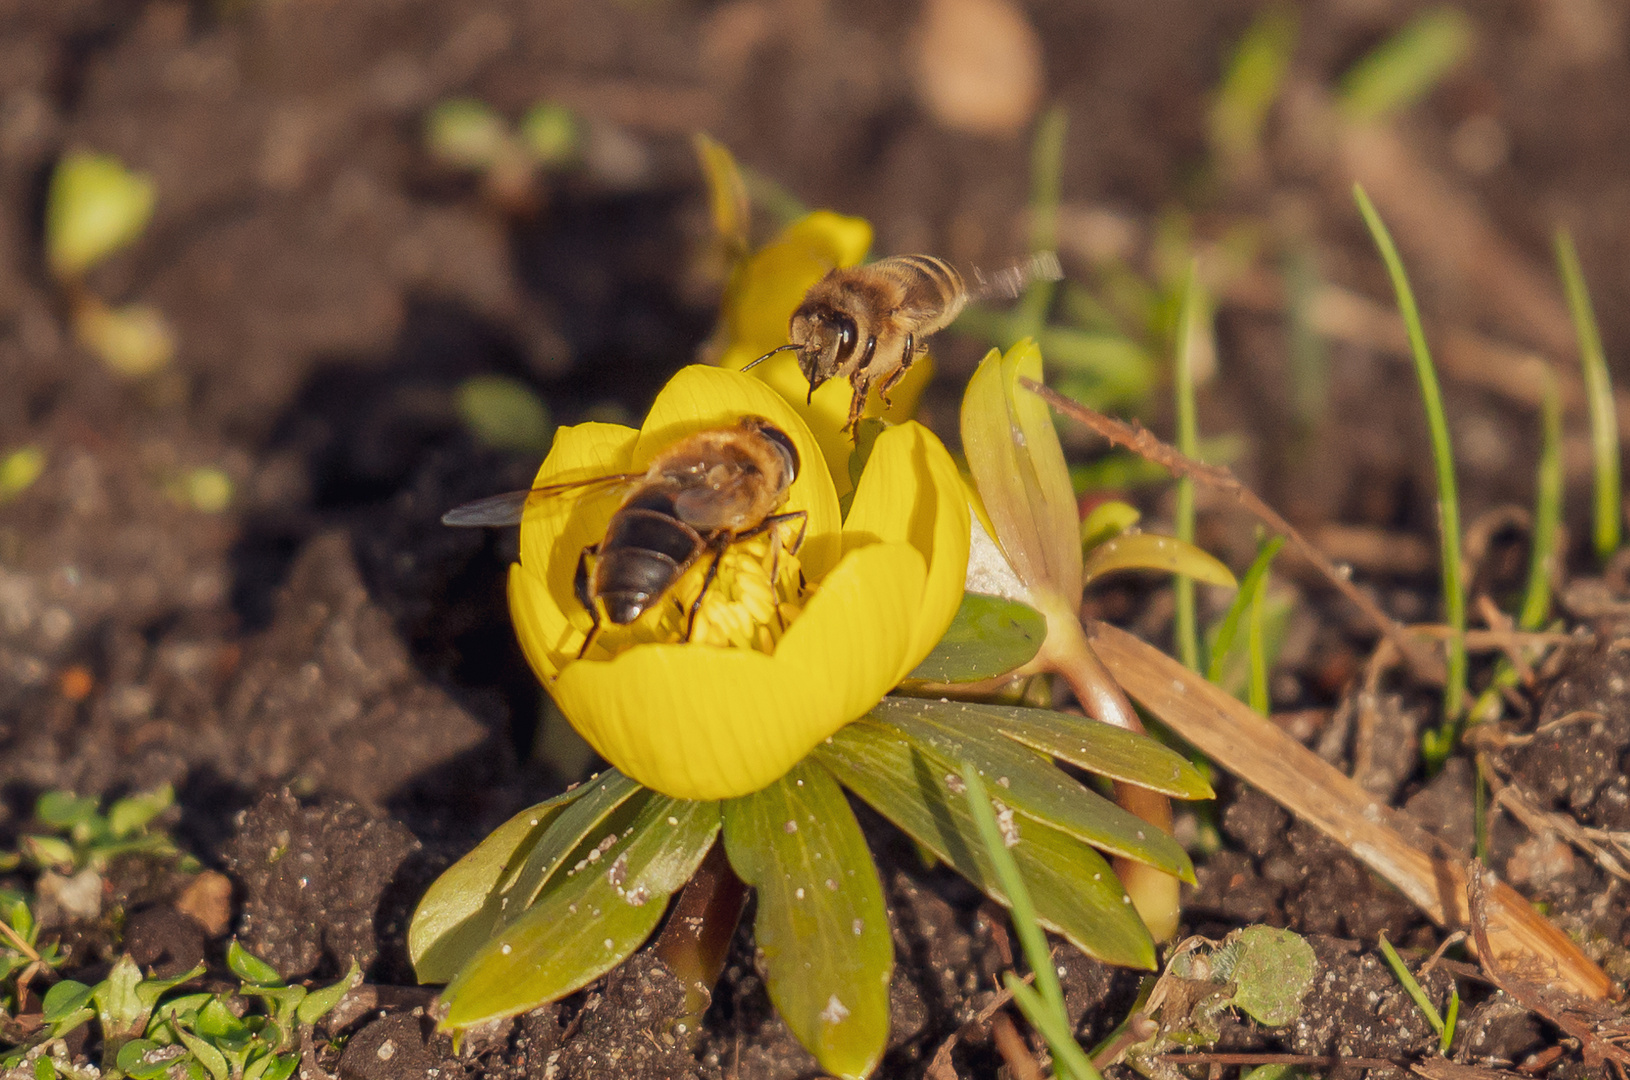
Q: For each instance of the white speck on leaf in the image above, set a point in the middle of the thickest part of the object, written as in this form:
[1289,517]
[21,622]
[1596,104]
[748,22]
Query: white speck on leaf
[835,1011]
[790,827]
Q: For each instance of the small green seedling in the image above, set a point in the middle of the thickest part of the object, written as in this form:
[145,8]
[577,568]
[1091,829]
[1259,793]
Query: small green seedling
[1604,420]
[505,414]
[95,207]
[250,1033]
[72,833]
[471,136]
[22,956]
[1407,66]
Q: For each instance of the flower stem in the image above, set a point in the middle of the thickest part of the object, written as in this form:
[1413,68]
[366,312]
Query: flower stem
[1067,652]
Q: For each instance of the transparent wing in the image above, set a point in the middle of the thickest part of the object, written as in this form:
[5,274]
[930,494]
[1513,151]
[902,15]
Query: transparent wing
[506,509]
[1010,281]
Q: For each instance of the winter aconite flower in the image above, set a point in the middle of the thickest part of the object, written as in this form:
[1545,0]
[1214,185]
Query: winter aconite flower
[766,289]
[791,641]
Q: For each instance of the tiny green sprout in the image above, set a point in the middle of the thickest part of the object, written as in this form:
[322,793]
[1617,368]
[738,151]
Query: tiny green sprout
[466,133]
[77,835]
[18,471]
[134,340]
[505,413]
[1407,66]
[552,134]
[95,206]
[1445,1027]
[207,489]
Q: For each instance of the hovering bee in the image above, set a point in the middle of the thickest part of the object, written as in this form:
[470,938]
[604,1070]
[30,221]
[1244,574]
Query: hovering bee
[867,323]
[697,497]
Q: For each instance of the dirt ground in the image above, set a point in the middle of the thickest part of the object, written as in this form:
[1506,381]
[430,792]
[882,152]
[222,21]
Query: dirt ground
[322,664]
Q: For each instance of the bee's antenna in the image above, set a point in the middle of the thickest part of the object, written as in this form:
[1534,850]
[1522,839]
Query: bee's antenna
[766,356]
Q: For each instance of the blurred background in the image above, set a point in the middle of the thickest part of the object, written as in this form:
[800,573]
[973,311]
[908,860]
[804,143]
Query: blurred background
[281,280]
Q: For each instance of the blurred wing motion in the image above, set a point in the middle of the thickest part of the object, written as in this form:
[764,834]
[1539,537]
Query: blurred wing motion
[506,509]
[1010,282]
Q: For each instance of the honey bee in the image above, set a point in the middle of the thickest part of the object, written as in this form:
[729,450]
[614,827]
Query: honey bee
[697,497]
[868,323]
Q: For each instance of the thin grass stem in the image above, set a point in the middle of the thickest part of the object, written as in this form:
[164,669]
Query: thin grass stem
[1604,420]
[1187,626]
[1411,986]
[1046,190]
[1536,603]
[1454,592]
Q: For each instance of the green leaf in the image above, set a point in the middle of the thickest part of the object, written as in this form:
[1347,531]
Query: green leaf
[588,919]
[133,1060]
[95,207]
[551,134]
[505,413]
[465,132]
[1080,740]
[45,1068]
[1148,551]
[119,1007]
[211,1059]
[461,909]
[49,851]
[249,967]
[1109,518]
[18,471]
[1030,784]
[65,997]
[821,930]
[63,809]
[319,1003]
[1273,970]
[150,990]
[988,637]
[131,814]
[218,1023]
[1076,893]
[1228,627]
[281,1067]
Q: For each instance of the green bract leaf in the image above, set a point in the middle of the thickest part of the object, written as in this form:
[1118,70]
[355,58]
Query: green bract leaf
[118,1006]
[990,636]
[249,967]
[578,817]
[588,919]
[1030,784]
[1146,551]
[95,207]
[1075,891]
[64,809]
[1081,741]
[821,929]
[461,909]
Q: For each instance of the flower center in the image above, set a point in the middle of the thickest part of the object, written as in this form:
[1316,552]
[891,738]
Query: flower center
[756,594]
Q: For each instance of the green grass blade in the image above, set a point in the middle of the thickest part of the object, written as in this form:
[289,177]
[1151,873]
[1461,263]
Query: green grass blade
[1604,420]
[1411,986]
[1536,603]
[1454,593]
[821,930]
[1046,189]
[1223,643]
[1043,1005]
[1187,627]
[1405,67]
[1257,695]
[1252,83]
[1450,1019]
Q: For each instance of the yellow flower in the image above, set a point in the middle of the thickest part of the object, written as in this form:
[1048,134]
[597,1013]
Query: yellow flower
[776,663]
[764,292]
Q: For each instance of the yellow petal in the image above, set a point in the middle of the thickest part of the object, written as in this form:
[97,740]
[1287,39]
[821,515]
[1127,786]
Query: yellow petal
[702,397]
[1015,459]
[911,492]
[1149,551]
[699,722]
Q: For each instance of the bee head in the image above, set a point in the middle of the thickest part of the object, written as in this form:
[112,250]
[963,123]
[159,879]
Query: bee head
[825,339]
[778,439]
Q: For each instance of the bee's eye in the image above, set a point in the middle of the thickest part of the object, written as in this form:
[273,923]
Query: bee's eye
[847,333]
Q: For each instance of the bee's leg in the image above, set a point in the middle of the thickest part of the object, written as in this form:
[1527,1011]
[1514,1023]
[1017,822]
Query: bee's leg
[907,355]
[696,605]
[861,386]
[580,585]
